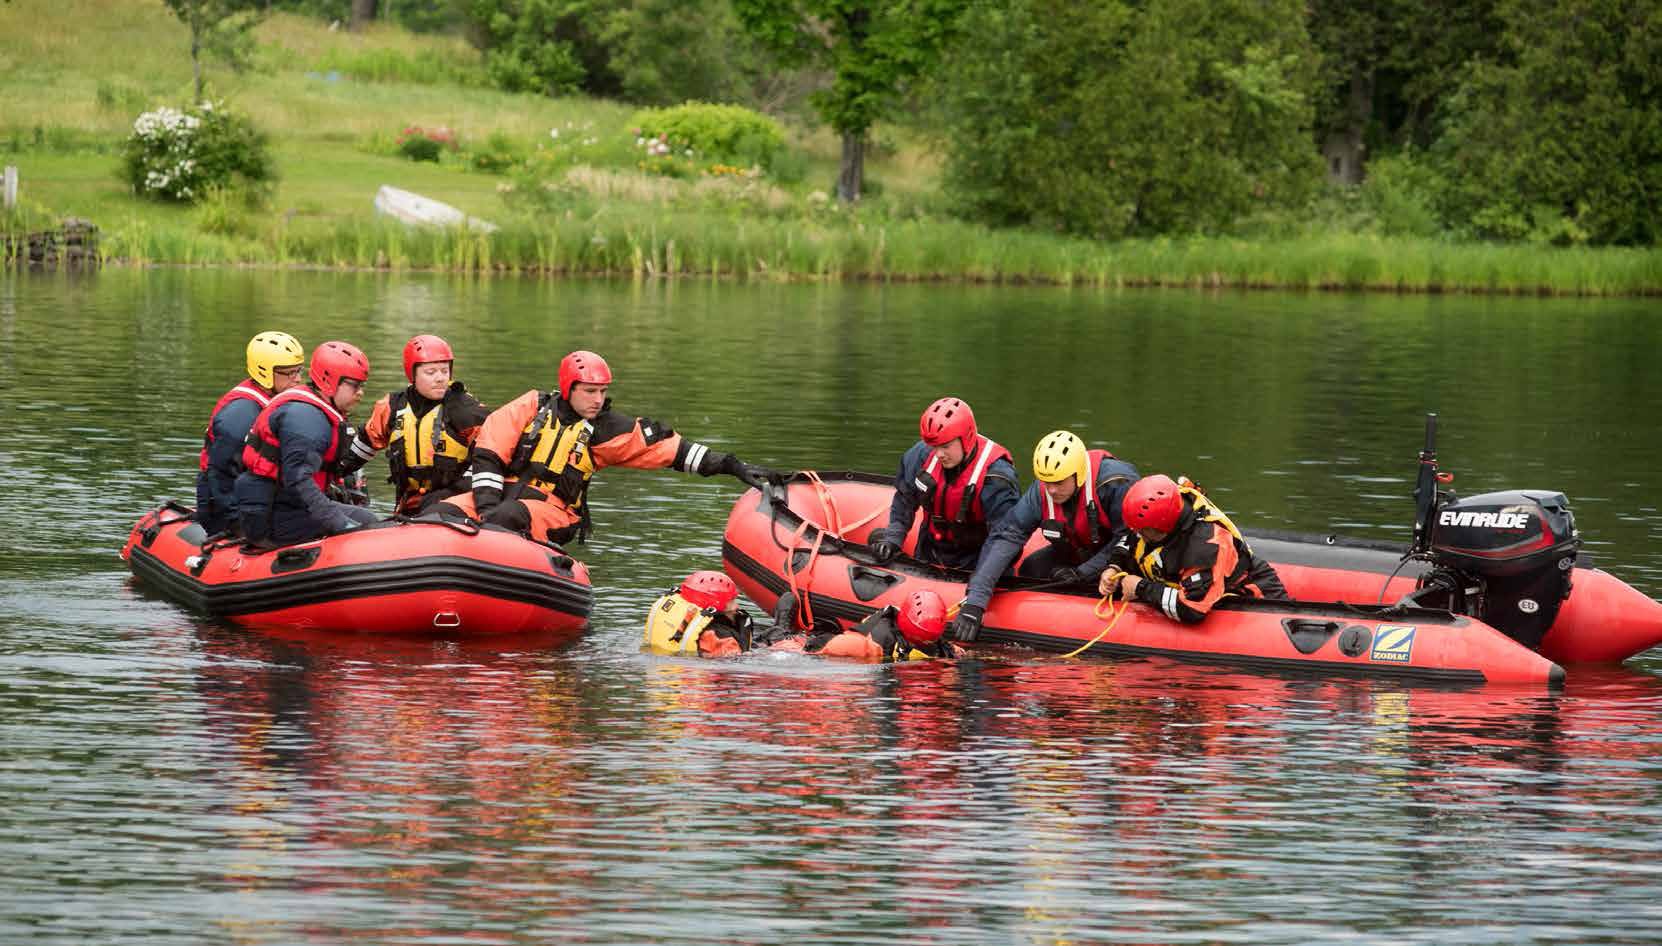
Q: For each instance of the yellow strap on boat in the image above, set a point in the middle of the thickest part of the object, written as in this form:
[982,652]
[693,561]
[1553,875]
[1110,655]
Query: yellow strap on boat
[1124,603]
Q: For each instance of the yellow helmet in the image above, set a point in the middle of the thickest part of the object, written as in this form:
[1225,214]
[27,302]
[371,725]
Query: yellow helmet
[1060,455]
[269,350]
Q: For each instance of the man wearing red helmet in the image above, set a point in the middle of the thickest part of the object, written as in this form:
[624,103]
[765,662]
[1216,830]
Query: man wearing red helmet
[427,429]
[292,449]
[1183,555]
[535,456]
[703,616]
[911,630]
[964,482]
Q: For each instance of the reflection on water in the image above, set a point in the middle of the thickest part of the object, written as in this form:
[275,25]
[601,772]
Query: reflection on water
[167,780]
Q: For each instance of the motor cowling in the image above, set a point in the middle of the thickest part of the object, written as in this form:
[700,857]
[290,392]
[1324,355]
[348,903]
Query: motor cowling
[1505,533]
[1514,552]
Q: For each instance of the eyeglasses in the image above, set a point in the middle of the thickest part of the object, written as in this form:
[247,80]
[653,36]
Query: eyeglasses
[356,384]
[289,372]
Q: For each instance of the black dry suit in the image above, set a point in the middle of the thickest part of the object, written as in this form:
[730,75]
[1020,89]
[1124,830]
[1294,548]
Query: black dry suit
[883,627]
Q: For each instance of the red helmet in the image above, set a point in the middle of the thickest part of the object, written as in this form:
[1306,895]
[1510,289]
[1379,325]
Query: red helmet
[922,617]
[333,362]
[422,349]
[583,367]
[946,420]
[709,589]
[1152,502]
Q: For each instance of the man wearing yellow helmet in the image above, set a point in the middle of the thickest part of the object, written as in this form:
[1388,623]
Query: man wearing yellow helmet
[274,360]
[1076,504]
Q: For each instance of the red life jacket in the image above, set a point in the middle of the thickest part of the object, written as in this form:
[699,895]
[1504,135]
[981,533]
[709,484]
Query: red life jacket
[955,513]
[246,390]
[263,455]
[1089,525]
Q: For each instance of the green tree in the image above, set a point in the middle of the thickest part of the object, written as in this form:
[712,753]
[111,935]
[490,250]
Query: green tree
[1118,118]
[1560,138]
[656,52]
[223,28]
[871,48]
[545,46]
[664,52]
[1386,67]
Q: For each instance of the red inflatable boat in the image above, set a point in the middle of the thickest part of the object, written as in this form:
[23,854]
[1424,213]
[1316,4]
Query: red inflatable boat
[809,535]
[403,577]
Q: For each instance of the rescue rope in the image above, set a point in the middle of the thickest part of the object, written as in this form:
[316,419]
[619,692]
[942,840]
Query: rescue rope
[831,524]
[791,571]
[1124,603]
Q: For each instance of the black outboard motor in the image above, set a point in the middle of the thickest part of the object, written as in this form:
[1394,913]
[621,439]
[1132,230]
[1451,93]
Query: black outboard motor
[1504,558]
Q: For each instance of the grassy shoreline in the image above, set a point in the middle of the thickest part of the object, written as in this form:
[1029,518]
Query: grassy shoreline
[330,140]
[693,245]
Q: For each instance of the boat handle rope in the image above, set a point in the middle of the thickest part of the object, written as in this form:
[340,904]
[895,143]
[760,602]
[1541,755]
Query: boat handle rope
[1116,612]
[831,531]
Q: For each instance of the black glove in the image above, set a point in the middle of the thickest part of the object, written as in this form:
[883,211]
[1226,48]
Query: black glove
[784,612]
[884,551]
[759,476]
[967,625]
[751,475]
[1067,575]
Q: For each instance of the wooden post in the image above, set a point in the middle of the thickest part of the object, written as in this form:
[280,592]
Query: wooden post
[10,187]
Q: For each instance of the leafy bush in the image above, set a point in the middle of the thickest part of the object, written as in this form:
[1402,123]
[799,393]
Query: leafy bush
[1130,119]
[497,155]
[1402,193]
[644,51]
[731,134]
[180,155]
[425,144]
[1562,141]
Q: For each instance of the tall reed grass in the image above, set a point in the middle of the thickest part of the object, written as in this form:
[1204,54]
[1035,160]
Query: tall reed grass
[649,243]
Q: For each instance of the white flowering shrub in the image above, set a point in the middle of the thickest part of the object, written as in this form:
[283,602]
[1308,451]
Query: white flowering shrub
[182,155]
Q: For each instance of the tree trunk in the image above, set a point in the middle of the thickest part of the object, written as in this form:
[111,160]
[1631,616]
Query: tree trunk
[363,11]
[853,174]
[196,51]
[1346,149]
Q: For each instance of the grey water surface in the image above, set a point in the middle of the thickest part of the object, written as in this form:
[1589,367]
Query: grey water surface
[166,779]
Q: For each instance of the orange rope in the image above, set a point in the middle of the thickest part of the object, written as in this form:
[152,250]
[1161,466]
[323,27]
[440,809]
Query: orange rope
[831,522]
[801,591]
[1124,603]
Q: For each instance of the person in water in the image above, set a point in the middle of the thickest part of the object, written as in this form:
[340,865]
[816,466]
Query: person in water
[964,482]
[274,360]
[427,429]
[292,448]
[703,616]
[910,631]
[1182,554]
[1076,504]
[535,456]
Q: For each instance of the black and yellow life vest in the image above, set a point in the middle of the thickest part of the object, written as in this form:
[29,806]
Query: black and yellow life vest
[1200,509]
[674,625]
[424,452]
[552,456]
